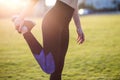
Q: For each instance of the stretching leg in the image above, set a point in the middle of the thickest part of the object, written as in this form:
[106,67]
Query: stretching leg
[33,43]
[45,61]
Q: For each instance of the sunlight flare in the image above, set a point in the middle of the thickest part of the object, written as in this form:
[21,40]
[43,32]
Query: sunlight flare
[50,2]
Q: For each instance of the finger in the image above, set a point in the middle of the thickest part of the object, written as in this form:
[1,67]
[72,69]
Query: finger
[20,27]
[16,27]
[80,40]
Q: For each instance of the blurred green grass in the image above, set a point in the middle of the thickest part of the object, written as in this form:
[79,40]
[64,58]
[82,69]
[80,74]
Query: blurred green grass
[97,59]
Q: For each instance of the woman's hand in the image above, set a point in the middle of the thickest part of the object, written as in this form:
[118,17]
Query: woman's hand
[81,37]
[18,22]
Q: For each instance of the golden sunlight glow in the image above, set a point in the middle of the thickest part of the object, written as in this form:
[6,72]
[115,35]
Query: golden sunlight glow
[12,4]
[9,7]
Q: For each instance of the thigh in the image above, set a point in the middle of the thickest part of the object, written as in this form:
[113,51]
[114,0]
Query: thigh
[55,40]
[63,46]
[60,57]
[51,38]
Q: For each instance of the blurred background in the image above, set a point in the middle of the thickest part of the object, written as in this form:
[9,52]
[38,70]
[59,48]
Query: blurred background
[98,58]
[11,7]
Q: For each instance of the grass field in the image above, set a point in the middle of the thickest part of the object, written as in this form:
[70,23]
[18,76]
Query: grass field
[97,59]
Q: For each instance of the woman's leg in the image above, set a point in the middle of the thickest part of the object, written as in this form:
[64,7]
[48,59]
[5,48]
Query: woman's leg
[56,40]
[60,57]
[46,62]
[33,43]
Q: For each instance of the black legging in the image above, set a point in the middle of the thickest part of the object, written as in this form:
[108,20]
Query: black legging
[55,30]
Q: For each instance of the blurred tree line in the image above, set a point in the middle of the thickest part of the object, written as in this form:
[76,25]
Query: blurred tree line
[100,5]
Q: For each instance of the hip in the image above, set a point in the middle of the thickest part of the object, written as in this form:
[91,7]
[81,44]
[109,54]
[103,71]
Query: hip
[59,14]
